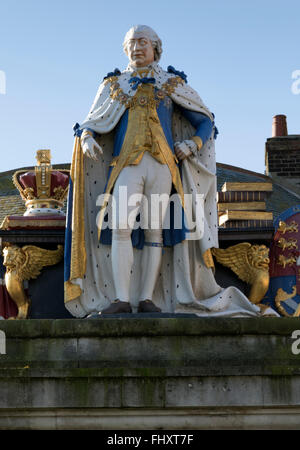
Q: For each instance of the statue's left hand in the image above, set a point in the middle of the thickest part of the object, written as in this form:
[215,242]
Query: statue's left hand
[184,149]
[90,147]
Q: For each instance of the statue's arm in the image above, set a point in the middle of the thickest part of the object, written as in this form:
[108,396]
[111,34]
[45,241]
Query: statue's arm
[203,130]
[202,124]
[85,131]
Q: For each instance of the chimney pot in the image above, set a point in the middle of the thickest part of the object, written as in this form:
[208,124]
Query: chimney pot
[279,126]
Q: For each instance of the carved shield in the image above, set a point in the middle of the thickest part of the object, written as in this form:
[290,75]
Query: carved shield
[284,289]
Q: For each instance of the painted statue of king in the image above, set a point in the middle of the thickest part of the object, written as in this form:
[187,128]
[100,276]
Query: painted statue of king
[148,135]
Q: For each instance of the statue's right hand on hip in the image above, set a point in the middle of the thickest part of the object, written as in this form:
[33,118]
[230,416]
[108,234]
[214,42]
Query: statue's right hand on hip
[90,147]
[184,149]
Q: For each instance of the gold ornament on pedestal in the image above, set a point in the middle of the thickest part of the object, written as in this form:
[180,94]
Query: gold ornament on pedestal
[251,264]
[24,264]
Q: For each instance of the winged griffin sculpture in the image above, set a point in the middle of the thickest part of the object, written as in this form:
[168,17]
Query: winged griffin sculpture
[250,263]
[24,264]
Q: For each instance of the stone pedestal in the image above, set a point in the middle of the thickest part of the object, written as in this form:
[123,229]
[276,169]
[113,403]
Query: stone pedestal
[47,291]
[165,373]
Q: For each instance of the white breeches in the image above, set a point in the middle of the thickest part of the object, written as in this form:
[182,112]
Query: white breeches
[144,183]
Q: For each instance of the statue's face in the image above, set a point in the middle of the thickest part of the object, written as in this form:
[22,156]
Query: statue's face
[11,256]
[140,51]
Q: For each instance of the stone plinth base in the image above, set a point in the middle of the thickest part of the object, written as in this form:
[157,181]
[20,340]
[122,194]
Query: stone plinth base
[154,373]
[153,419]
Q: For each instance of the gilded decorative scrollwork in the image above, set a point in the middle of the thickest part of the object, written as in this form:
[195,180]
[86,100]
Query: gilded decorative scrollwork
[117,93]
[171,84]
[29,193]
[283,296]
[251,264]
[112,79]
[24,264]
[60,192]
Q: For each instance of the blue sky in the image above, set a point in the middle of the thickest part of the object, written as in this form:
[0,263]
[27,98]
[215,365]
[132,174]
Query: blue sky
[239,56]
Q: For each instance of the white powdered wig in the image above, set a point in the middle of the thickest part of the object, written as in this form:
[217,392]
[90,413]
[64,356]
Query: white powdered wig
[144,30]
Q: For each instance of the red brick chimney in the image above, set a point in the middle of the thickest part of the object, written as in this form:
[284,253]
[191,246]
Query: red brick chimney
[279,126]
[282,156]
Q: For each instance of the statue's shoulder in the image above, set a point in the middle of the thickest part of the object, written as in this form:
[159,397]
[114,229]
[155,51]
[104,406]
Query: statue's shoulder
[177,73]
[172,81]
[115,74]
[115,78]
[111,77]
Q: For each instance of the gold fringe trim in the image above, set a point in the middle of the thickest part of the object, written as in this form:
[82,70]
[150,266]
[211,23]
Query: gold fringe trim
[208,259]
[72,291]
[78,249]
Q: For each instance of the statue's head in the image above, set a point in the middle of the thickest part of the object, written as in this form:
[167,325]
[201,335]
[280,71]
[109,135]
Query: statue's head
[142,46]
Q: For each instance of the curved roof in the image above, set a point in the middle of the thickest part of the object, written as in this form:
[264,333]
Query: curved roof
[281,197]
